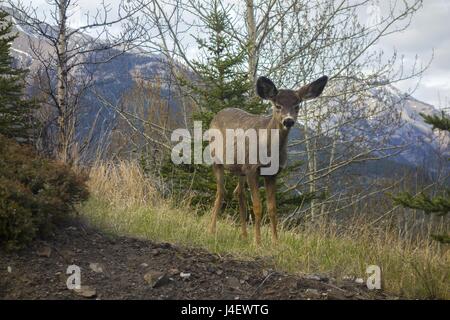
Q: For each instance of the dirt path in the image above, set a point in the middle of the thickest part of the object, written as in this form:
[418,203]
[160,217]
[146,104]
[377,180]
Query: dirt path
[126,268]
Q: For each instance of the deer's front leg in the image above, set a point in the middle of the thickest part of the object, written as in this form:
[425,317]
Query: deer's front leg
[270,183]
[219,174]
[240,193]
[253,184]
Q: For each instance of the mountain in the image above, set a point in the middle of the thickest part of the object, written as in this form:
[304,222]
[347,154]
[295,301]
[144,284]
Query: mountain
[420,143]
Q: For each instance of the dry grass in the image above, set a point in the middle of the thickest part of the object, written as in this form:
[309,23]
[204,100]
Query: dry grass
[123,201]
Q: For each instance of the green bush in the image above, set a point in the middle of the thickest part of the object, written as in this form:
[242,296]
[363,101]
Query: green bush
[35,194]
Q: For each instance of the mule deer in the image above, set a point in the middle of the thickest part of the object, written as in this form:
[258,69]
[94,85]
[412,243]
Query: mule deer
[285,105]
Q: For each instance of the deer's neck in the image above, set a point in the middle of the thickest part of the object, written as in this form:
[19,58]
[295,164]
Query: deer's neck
[283,136]
[284,132]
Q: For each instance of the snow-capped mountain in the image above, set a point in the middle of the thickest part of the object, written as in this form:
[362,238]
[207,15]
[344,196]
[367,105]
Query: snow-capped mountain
[114,78]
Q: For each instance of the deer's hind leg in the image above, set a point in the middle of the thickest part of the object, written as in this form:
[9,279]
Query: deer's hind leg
[219,174]
[240,193]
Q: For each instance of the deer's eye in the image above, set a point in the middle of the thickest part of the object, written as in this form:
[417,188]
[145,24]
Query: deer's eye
[297,107]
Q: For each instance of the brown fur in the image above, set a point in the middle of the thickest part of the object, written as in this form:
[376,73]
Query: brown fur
[285,107]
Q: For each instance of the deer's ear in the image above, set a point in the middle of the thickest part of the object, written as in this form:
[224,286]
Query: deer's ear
[265,88]
[312,90]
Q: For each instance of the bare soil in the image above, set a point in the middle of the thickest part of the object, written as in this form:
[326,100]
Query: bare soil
[126,268]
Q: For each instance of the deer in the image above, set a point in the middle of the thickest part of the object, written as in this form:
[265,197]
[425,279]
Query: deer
[285,107]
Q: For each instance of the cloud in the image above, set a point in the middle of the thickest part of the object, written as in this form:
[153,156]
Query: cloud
[427,33]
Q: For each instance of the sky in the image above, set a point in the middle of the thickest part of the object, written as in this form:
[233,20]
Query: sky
[427,34]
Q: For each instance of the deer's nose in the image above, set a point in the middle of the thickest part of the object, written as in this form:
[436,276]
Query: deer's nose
[289,122]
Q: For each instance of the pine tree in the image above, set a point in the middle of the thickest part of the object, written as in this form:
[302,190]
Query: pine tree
[15,109]
[222,82]
[439,205]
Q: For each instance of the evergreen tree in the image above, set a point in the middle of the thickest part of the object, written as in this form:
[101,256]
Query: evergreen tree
[440,204]
[222,82]
[15,109]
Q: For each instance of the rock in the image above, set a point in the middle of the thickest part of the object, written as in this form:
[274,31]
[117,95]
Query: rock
[312,277]
[96,267]
[174,271]
[317,277]
[44,251]
[185,275]
[219,272]
[359,280]
[349,294]
[312,293]
[155,252]
[9,269]
[233,282]
[144,265]
[268,272]
[165,245]
[86,292]
[156,278]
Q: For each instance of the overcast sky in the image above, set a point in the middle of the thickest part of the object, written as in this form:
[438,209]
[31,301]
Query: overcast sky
[429,31]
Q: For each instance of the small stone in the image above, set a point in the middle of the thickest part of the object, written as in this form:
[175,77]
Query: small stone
[144,265]
[155,252]
[359,280]
[9,269]
[185,275]
[96,267]
[44,251]
[312,293]
[312,277]
[174,271]
[156,279]
[349,294]
[219,272]
[86,292]
[233,282]
[165,245]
